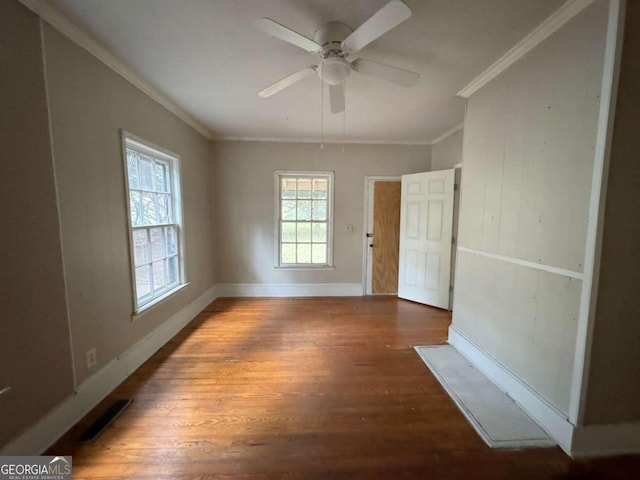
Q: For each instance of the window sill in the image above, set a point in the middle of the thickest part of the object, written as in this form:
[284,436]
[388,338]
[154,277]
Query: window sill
[156,301]
[304,267]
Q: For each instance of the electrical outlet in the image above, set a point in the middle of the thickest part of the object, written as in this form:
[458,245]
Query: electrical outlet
[91,358]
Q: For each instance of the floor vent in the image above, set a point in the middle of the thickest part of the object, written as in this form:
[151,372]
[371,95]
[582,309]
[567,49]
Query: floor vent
[103,422]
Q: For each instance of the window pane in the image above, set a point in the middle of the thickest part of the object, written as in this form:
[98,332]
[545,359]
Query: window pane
[172,242]
[172,270]
[157,244]
[319,253]
[140,247]
[155,247]
[160,174]
[159,281]
[132,169]
[146,173]
[143,282]
[304,232]
[304,188]
[304,219]
[288,253]
[288,210]
[288,233]
[304,253]
[319,232]
[136,208]
[288,186]
[149,216]
[319,188]
[163,208]
[304,210]
[320,210]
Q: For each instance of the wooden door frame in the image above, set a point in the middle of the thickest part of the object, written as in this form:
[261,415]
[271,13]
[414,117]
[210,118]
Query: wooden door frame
[369,182]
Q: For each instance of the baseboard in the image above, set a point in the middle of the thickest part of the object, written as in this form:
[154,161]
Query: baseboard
[548,417]
[606,440]
[52,426]
[289,289]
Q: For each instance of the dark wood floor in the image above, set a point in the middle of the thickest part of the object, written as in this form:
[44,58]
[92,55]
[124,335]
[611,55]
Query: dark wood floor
[304,388]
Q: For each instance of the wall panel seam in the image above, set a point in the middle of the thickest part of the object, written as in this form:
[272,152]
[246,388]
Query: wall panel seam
[72,352]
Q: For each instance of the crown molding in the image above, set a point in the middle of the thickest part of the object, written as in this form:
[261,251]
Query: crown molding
[318,141]
[444,135]
[64,25]
[552,24]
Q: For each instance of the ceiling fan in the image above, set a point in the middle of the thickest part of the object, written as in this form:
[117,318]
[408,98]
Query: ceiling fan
[333,42]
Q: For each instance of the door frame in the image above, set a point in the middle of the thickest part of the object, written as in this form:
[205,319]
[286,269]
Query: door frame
[454,232]
[369,182]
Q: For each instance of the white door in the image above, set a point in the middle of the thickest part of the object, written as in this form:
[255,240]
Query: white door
[426,222]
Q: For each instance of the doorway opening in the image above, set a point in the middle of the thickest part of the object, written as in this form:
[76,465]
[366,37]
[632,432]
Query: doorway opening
[381,238]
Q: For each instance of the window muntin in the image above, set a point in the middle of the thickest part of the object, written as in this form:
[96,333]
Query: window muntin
[153,190]
[304,219]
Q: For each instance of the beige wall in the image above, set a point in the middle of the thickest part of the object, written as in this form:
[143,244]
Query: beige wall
[66,283]
[447,152]
[89,104]
[244,196]
[528,158]
[614,388]
[35,357]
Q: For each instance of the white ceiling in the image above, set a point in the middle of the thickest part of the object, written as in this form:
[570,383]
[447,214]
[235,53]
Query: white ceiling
[209,59]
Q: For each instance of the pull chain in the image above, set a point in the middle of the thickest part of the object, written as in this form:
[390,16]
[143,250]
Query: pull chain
[322,106]
[344,114]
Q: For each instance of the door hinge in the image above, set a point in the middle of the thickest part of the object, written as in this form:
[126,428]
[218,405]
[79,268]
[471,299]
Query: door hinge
[455,187]
[453,240]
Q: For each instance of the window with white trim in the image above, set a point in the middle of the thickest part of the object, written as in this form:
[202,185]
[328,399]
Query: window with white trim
[155,221]
[304,219]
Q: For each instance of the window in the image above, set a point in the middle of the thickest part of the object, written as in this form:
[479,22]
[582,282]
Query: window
[155,215]
[304,219]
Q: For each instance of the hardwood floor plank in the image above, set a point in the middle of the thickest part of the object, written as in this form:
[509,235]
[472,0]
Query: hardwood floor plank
[303,388]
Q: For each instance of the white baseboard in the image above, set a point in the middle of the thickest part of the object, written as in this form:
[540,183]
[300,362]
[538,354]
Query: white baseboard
[46,431]
[289,289]
[548,417]
[606,440]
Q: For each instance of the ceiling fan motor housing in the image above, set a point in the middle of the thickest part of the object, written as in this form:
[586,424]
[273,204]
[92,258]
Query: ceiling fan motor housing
[330,37]
[334,68]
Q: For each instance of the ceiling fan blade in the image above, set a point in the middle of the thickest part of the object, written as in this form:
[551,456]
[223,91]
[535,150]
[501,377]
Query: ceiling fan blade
[391,15]
[336,98]
[385,72]
[287,81]
[283,33]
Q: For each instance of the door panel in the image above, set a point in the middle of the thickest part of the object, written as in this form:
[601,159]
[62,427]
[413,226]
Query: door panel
[385,240]
[426,223]
[434,219]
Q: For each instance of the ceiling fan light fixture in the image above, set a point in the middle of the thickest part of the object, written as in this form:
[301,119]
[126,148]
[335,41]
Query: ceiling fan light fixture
[334,71]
